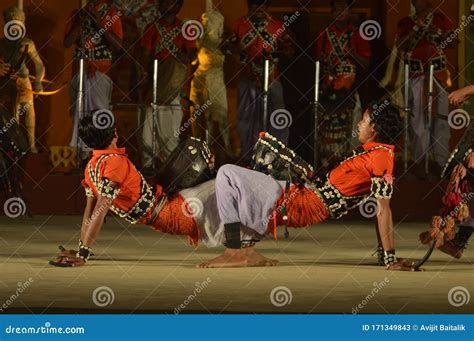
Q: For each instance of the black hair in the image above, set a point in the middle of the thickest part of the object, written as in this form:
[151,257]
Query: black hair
[258,2]
[386,117]
[97,129]
[349,3]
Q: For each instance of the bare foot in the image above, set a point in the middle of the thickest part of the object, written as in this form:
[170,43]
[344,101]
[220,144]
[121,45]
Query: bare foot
[233,258]
[263,261]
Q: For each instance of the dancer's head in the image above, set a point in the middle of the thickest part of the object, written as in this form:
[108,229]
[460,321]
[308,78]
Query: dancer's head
[380,123]
[258,8]
[341,9]
[97,130]
[170,8]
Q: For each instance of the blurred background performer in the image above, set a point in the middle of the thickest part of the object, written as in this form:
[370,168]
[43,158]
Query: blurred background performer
[96,30]
[12,50]
[343,53]
[164,40]
[259,36]
[422,39]
[208,88]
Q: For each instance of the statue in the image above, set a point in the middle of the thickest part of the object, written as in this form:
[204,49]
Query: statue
[208,89]
[14,48]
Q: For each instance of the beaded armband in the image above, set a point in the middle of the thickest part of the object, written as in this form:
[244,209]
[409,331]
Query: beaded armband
[381,188]
[89,192]
[108,189]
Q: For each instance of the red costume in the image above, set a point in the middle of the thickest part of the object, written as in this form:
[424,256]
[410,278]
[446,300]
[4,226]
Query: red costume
[97,51]
[258,40]
[332,47]
[425,45]
[111,174]
[164,39]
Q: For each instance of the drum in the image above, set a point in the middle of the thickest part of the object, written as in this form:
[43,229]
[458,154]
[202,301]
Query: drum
[189,165]
[272,157]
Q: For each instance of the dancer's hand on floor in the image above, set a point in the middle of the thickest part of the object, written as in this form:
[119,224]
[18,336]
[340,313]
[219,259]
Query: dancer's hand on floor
[402,265]
[68,262]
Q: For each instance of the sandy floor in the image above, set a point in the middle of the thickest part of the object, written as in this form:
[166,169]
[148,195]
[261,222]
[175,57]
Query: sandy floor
[324,269]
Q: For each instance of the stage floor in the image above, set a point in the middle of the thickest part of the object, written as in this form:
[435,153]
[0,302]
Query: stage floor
[323,269]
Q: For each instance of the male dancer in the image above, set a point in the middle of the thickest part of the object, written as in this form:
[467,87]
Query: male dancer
[421,38]
[98,51]
[235,208]
[344,53]
[164,40]
[254,34]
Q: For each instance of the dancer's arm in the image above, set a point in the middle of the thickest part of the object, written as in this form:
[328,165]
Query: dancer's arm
[385,224]
[91,202]
[92,224]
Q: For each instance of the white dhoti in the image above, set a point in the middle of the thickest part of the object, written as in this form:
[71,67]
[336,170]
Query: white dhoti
[423,138]
[97,96]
